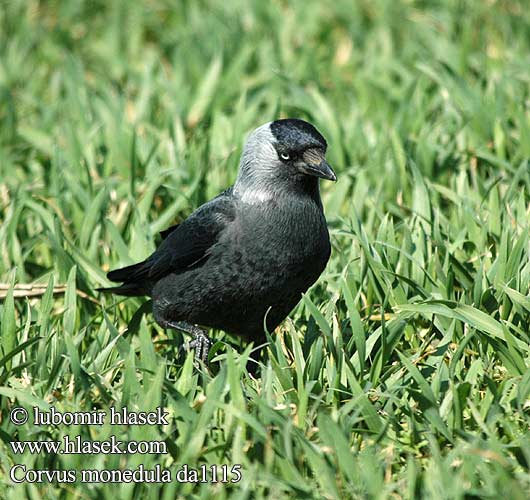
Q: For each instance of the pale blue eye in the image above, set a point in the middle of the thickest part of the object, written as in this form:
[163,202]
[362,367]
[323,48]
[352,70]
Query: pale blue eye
[285,156]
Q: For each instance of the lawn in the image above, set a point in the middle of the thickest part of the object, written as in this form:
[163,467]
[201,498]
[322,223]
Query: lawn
[403,373]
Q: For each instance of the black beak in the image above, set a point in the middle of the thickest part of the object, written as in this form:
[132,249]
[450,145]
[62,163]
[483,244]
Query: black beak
[321,170]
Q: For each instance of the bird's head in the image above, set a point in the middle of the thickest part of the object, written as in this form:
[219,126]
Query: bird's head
[283,153]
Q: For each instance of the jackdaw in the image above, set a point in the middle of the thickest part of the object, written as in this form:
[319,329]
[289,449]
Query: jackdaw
[241,261]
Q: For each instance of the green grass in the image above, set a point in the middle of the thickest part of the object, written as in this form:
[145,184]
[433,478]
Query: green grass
[404,372]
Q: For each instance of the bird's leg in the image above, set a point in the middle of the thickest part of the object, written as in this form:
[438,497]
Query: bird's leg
[201,342]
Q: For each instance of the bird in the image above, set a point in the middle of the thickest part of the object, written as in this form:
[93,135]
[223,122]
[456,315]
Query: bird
[241,262]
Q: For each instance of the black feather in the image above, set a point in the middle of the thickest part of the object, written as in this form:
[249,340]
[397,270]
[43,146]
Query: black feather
[246,255]
[166,232]
[128,290]
[131,273]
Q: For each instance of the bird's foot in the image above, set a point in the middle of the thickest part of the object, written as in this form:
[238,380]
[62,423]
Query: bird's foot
[201,342]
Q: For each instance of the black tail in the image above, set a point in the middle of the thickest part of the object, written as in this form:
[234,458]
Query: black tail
[136,272]
[135,279]
[127,289]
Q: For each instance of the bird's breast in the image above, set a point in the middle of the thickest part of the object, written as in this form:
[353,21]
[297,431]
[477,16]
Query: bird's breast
[283,240]
[260,266]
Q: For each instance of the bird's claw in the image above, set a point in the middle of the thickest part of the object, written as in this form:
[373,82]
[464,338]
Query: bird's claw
[201,342]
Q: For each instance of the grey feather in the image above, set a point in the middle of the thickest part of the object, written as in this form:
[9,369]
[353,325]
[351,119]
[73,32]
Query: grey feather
[251,252]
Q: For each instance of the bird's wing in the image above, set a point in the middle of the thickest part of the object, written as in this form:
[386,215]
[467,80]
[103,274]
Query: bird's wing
[190,242]
[166,232]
